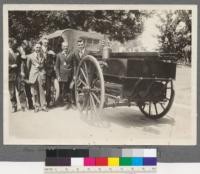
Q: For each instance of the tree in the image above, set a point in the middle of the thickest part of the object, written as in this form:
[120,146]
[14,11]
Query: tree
[176,32]
[121,25]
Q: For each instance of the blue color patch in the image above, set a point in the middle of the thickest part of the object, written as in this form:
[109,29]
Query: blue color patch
[137,161]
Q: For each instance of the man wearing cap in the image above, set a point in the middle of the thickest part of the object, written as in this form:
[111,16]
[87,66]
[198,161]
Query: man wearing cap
[50,57]
[37,78]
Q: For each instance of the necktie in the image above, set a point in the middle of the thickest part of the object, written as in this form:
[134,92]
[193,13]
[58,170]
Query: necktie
[81,53]
[39,58]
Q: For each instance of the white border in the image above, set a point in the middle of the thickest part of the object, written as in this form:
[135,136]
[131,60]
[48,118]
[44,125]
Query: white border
[45,7]
[55,7]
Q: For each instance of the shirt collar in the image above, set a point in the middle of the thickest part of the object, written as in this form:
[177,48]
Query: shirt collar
[44,49]
[64,53]
[37,54]
[11,50]
[82,51]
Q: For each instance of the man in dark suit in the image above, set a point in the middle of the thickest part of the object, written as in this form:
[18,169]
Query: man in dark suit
[15,77]
[64,71]
[80,51]
[37,78]
[77,55]
[25,50]
[50,59]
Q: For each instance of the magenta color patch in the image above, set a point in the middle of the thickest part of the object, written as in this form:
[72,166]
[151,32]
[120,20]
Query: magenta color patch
[89,161]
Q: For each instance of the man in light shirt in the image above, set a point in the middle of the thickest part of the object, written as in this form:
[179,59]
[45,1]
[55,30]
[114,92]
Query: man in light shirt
[37,78]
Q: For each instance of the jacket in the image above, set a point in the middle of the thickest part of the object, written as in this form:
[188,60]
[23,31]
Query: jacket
[36,67]
[64,66]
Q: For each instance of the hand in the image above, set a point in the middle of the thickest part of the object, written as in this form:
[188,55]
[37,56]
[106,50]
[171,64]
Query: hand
[13,65]
[22,75]
[40,67]
[71,85]
[74,78]
[103,64]
[59,79]
[23,56]
[51,52]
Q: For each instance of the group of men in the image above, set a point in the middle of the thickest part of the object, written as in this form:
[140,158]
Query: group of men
[31,72]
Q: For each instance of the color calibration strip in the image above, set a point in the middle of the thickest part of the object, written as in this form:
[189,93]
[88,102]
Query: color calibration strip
[104,160]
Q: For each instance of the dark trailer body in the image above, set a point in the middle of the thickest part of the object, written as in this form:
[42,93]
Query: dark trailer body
[129,69]
[144,79]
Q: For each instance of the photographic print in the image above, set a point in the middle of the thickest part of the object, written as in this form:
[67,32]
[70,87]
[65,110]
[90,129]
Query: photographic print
[100,74]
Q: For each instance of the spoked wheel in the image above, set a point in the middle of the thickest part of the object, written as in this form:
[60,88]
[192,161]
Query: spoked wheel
[156,109]
[89,86]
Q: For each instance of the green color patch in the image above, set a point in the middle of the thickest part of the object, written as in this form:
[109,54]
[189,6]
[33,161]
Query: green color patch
[125,161]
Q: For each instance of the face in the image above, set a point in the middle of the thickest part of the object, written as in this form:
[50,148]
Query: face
[37,48]
[45,42]
[81,45]
[24,45]
[65,46]
[13,44]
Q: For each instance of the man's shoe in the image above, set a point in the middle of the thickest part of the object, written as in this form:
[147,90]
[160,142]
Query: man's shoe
[14,109]
[73,106]
[31,108]
[23,109]
[36,110]
[68,105]
[45,109]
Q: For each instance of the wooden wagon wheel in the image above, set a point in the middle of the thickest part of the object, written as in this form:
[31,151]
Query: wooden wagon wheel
[157,109]
[89,86]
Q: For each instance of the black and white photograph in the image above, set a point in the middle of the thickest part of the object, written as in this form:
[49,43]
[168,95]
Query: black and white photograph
[100,74]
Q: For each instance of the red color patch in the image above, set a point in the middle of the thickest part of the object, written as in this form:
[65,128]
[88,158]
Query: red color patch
[101,161]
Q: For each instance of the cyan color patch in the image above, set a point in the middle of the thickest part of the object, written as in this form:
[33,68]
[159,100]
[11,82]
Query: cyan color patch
[137,161]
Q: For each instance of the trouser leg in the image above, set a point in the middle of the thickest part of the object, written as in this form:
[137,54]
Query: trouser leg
[61,90]
[68,91]
[21,92]
[73,95]
[41,85]
[35,94]
[48,89]
[28,95]
[12,93]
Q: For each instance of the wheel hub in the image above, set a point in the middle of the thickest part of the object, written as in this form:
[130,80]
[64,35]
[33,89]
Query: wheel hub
[86,89]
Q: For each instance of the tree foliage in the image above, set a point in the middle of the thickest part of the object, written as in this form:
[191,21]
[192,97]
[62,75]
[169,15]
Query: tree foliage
[121,25]
[176,31]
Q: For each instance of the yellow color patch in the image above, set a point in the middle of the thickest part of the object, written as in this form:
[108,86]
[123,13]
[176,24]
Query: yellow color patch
[113,161]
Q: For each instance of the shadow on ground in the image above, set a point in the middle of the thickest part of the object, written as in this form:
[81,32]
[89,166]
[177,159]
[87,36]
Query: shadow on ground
[124,117]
